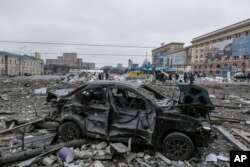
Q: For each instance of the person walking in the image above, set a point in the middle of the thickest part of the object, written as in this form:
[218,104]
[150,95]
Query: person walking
[100,76]
[191,79]
[170,77]
[185,77]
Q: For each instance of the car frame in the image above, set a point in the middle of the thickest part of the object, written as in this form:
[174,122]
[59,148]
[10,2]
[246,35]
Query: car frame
[176,134]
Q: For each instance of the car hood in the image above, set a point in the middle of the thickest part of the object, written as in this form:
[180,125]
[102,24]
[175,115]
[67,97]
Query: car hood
[193,100]
[59,93]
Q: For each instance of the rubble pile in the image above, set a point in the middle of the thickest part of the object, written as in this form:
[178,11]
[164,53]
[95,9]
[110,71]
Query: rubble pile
[29,139]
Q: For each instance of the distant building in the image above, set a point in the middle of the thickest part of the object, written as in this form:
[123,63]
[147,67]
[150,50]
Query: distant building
[178,59]
[225,48]
[119,65]
[88,66]
[14,64]
[145,62]
[159,53]
[67,61]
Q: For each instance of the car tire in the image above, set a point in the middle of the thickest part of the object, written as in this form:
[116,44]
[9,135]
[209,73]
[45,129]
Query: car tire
[178,146]
[69,131]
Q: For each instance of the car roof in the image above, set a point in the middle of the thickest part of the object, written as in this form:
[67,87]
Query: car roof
[110,82]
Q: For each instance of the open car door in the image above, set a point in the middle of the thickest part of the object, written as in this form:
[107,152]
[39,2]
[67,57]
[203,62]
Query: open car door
[132,115]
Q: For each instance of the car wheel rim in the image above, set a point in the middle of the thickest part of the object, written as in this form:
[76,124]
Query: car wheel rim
[177,148]
[70,133]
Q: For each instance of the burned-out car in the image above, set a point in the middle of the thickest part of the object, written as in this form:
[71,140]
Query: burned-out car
[117,111]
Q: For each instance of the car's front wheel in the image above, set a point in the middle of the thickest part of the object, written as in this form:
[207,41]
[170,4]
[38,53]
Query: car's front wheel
[69,131]
[178,146]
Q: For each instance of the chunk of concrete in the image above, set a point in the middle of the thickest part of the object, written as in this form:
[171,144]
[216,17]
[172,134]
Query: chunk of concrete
[43,131]
[48,161]
[53,157]
[122,164]
[84,147]
[129,157]
[165,159]
[140,155]
[147,157]
[86,154]
[101,145]
[97,164]
[40,91]
[119,147]
[211,157]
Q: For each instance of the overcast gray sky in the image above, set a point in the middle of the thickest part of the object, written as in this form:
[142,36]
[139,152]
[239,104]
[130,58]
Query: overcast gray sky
[112,22]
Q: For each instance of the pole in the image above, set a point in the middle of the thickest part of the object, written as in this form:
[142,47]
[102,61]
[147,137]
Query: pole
[20,59]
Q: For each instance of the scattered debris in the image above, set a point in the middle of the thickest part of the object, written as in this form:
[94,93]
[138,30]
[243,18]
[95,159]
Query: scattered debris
[119,147]
[28,141]
[211,157]
[40,91]
[231,139]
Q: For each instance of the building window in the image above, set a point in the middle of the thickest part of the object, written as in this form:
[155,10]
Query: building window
[15,61]
[211,65]
[246,32]
[10,61]
[218,65]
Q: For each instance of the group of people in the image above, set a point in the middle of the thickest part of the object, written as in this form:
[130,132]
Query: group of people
[176,77]
[103,76]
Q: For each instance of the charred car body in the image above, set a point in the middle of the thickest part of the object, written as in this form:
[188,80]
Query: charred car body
[116,111]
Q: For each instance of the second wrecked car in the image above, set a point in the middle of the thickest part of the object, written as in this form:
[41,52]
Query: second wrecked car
[117,111]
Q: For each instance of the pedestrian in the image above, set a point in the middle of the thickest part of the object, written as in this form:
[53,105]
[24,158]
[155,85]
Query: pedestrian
[107,76]
[185,77]
[176,76]
[100,76]
[162,77]
[191,79]
[170,77]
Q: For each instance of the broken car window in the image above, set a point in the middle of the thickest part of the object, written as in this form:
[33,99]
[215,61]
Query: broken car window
[95,95]
[120,97]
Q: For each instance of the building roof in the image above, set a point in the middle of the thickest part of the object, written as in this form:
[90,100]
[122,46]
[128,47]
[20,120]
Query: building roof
[171,43]
[179,50]
[22,56]
[222,30]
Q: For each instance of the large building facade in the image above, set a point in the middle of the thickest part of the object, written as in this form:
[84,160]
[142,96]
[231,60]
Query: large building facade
[158,54]
[67,59]
[226,49]
[64,63]
[178,59]
[14,64]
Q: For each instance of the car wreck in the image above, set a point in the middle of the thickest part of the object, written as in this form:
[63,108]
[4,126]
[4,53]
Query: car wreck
[117,111]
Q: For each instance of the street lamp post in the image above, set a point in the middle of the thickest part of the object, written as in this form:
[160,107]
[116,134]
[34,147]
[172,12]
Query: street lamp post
[20,59]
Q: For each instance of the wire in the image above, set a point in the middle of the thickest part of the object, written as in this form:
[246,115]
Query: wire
[76,44]
[91,54]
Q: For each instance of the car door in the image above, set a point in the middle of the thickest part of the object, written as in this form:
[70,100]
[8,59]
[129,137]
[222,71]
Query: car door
[132,115]
[94,107]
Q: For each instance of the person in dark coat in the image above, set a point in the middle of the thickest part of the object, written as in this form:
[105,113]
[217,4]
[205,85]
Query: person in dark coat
[191,78]
[176,76]
[107,76]
[100,76]
[170,77]
[185,77]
